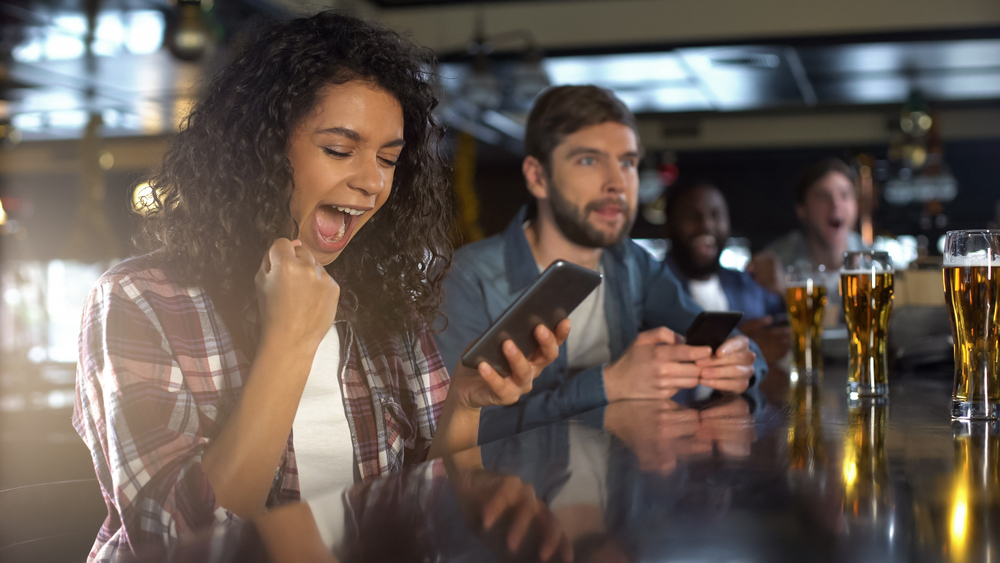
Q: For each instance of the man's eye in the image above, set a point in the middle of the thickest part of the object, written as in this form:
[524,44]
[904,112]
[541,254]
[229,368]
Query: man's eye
[336,154]
[588,160]
[629,164]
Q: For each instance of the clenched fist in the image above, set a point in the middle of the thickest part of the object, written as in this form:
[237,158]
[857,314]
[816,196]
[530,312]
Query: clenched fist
[297,298]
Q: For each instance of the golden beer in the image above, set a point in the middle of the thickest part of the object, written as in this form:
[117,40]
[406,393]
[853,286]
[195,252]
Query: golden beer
[867,299]
[806,302]
[973,295]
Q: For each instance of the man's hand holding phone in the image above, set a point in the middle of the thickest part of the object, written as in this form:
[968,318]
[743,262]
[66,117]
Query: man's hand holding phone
[656,366]
[730,368]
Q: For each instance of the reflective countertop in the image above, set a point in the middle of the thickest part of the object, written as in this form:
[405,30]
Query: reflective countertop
[801,475]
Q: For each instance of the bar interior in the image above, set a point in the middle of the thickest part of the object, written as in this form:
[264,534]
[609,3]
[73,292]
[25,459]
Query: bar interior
[290,281]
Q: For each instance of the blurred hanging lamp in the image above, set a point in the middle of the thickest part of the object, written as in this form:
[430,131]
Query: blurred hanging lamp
[186,33]
[481,88]
[917,171]
[528,78]
[91,238]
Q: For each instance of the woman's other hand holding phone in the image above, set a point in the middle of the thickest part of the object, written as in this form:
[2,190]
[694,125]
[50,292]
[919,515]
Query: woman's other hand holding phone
[473,389]
[483,387]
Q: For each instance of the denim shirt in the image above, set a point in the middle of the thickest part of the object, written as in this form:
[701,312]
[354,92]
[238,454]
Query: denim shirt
[487,276]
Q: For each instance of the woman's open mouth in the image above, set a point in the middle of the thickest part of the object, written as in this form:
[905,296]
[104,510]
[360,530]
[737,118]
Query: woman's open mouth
[333,225]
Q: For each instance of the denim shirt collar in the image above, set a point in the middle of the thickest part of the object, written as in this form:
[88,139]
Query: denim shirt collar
[519,261]
[522,269]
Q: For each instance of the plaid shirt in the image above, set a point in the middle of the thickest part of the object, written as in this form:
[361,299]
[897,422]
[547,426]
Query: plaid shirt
[159,374]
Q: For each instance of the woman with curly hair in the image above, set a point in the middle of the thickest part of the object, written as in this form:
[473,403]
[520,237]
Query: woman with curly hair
[299,239]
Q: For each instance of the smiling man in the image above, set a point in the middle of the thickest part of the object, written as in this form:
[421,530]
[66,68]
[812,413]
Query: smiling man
[698,228]
[582,154]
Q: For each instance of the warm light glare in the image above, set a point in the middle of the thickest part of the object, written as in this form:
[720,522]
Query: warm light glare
[106,160]
[959,519]
[143,201]
[850,473]
[3,215]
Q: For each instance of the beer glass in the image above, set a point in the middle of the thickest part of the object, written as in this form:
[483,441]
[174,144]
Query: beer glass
[972,290]
[805,298]
[866,289]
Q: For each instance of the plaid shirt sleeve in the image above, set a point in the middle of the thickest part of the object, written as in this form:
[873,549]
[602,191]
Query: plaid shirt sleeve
[428,386]
[144,399]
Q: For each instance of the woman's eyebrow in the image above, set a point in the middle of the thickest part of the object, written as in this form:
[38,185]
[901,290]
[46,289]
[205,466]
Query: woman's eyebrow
[343,132]
[356,137]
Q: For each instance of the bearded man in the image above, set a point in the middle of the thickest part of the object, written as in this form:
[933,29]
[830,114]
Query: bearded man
[582,155]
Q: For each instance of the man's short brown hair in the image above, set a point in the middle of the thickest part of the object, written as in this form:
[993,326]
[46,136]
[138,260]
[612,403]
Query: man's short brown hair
[818,171]
[564,110]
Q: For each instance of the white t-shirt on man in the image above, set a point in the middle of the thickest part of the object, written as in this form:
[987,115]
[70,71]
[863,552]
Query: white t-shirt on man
[709,294]
[588,344]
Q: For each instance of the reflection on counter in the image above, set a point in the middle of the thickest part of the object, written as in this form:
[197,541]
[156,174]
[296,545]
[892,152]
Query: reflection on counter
[972,521]
[806,450]
[869,506]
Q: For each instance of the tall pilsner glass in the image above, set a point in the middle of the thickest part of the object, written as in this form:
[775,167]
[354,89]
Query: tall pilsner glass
[866,286]
[972,290]
[805,298]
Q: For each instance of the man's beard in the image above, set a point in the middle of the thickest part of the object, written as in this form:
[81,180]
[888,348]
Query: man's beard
[572,220]
[687,264]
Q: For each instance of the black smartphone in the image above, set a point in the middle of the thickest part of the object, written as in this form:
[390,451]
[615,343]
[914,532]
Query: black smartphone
[712,328]
[547,301]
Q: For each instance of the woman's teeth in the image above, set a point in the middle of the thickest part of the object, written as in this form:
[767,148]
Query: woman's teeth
[348,211]
[340,232]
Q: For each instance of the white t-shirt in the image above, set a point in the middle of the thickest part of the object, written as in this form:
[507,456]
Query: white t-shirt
[324,451]
[709,294]
[711,297]
[588,344]
[588,469]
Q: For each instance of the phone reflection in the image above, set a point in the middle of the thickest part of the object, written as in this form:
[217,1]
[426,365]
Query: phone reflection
[971,523]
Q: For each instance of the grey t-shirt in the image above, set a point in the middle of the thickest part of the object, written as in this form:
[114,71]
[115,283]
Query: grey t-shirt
[589,343]
[793,248]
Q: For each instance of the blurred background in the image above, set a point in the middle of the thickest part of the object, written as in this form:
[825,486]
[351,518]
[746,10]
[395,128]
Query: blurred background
[744,93]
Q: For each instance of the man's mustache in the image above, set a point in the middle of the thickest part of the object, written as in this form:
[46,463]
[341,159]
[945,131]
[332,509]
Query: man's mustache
[599,204]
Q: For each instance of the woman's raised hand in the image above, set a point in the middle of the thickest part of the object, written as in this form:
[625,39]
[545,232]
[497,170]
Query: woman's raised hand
[298,299]
[483,387]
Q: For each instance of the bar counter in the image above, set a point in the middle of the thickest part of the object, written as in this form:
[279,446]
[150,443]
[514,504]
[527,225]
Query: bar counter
[798,476]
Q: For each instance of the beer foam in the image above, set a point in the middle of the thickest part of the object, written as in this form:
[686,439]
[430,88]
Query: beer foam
[978,259]
[875,270]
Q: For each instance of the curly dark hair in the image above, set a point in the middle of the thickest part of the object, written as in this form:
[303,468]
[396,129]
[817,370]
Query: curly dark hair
[222,194]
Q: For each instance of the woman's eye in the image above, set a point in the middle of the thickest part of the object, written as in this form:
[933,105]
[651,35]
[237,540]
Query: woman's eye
[390,161]
[336,154]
